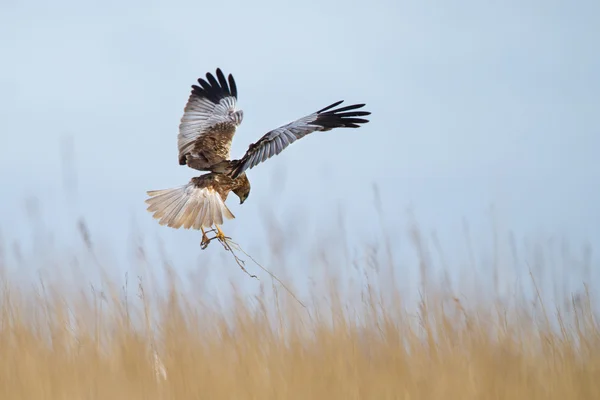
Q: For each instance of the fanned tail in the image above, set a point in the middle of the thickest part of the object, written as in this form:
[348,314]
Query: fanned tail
[188,206]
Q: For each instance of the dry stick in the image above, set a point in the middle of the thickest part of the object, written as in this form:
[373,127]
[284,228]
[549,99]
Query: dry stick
[227,245]
[204,244]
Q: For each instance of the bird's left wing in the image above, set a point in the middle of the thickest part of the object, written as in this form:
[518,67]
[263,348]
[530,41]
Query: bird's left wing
[278,139]
[210,115]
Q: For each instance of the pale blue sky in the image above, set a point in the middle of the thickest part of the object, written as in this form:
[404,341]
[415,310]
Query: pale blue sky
[472,103]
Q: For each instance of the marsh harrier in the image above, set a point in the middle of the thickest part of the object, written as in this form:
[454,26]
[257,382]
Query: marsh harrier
[206,130]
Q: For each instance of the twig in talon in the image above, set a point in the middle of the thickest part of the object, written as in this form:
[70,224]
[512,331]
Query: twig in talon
[206,241]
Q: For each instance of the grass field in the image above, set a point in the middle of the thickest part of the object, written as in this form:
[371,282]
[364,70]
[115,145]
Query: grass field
[80,344]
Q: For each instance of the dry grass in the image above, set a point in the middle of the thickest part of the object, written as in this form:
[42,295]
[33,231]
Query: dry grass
[91,345]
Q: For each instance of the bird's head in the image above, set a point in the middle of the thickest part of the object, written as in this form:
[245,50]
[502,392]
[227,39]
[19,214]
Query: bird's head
[242,187]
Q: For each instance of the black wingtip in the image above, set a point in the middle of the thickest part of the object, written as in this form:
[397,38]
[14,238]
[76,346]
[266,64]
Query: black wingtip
[343,117]
[222,80]
[233,86]
[215,89]
[329,107]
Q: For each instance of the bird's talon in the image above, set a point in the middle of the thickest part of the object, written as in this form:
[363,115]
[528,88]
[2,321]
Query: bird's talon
[220,235]
[205,242]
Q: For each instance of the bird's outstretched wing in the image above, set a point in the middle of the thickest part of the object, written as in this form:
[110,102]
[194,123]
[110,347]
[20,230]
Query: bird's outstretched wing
[209,122]
[278,139]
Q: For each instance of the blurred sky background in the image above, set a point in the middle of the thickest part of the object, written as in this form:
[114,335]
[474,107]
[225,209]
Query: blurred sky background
[474,105]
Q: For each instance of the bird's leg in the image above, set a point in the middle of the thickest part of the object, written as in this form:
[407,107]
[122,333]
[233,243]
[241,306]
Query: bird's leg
[220,234]
[205,240]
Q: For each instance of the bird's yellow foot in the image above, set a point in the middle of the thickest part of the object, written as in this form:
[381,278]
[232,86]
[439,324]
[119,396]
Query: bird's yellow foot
[220,234]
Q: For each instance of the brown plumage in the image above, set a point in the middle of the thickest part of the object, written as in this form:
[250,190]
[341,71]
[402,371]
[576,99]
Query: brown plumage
[211,149]
[206,132]
[224,184]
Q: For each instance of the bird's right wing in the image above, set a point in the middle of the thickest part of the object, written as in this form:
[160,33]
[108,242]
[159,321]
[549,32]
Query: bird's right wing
[278,139]
[210,114]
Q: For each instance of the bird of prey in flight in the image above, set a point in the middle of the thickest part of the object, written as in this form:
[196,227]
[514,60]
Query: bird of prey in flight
[206,131]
